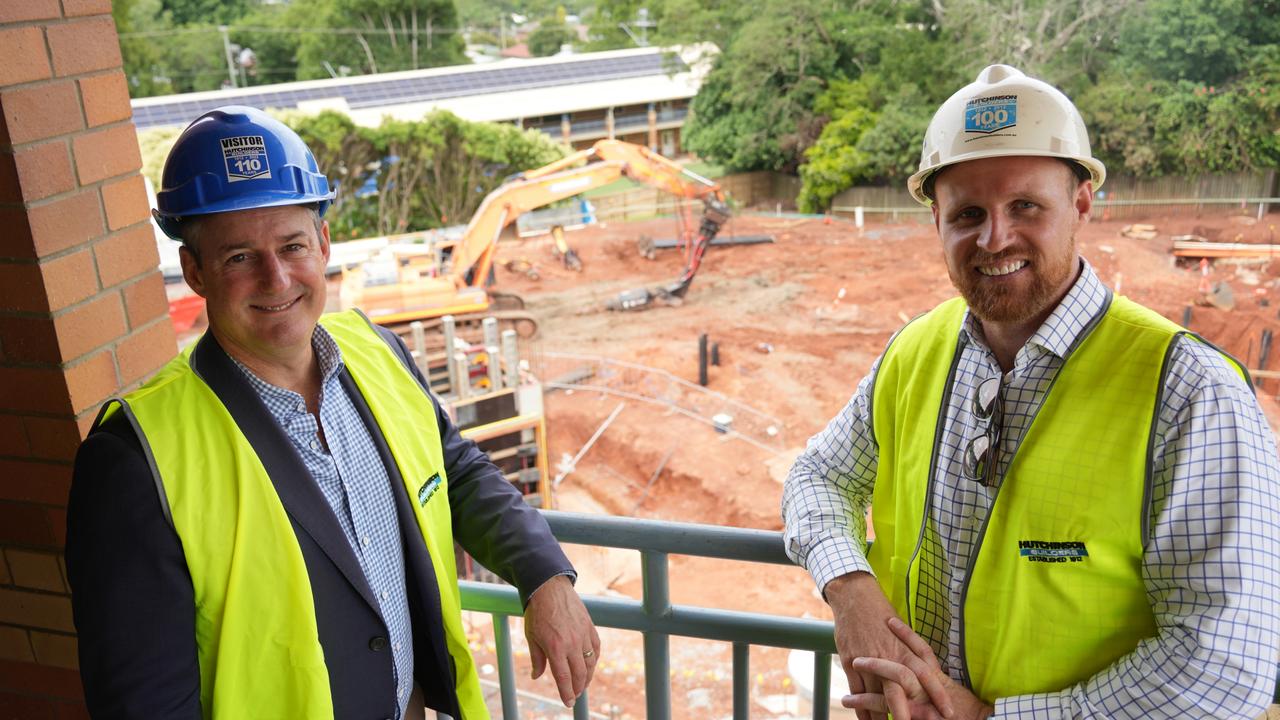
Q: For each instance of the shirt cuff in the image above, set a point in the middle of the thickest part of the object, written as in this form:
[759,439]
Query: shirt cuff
[573,580]
[833,557]
[1036,706]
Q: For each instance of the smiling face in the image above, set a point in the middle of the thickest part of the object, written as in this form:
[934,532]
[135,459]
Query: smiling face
[261,273]
[1008,228]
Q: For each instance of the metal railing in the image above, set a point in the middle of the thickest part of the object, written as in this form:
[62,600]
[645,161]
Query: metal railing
[657,618]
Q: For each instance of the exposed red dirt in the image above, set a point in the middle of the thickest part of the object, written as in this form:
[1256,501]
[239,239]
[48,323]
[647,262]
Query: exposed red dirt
[798,323]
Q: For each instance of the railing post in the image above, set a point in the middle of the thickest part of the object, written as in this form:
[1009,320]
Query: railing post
[741,681]
[821,686]
[506,667]
[581,707]
[657,605]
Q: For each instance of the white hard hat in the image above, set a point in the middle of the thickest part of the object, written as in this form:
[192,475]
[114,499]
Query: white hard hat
[1004,113]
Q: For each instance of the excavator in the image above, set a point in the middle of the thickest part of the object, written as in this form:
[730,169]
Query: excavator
[396,293]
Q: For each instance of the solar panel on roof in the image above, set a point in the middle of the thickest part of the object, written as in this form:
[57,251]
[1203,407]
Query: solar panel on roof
[424,88]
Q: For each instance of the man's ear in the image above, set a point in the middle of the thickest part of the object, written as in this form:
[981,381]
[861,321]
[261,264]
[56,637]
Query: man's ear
[191,271]
[1084,201]
[324,239]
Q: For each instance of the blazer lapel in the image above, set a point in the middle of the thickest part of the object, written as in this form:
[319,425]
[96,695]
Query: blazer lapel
[298,492]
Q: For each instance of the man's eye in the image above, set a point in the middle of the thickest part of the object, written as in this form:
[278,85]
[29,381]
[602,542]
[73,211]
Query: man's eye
[237,258]
[969,214]
[1024,205]
[295,247]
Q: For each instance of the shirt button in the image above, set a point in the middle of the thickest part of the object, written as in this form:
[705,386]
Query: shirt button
[377,643]
[315,445]
[365,541]
[396,647]
[302,407]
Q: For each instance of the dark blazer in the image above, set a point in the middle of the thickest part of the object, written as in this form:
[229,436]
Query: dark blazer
[132,594]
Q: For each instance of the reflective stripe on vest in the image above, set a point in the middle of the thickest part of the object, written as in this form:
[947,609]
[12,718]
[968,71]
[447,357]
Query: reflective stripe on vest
[1054,592]
[259,646]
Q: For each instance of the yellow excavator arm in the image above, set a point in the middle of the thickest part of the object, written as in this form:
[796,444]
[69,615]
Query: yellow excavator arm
[606,161]
[417,291]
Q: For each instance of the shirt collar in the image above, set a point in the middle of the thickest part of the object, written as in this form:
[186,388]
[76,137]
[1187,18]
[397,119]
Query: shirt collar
[327,353]
[1069,320]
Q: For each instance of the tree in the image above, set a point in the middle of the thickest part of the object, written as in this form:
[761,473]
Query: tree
[204,12]
[1201,41]
[550,35]
[753,112]
[421,174]
[1043,38]
[376,36]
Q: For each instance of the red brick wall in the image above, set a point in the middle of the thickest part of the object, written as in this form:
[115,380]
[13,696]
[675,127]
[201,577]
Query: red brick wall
[83,313]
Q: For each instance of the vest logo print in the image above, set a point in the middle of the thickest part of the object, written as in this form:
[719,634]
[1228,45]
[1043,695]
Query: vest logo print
[428,489]
[246,158]
[1052,552]
[989,114]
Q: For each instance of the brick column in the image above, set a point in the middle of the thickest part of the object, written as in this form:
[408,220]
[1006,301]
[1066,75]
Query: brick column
[83,313]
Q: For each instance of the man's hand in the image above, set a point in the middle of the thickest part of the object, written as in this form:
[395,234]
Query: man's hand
[919,705]
[560,632]
[861,614]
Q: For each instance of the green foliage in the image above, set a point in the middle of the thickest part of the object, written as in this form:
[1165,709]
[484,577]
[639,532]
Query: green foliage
[1194,40]
[180,48]
[862,144]
[547,39]
[427,173]
[393,35]
[753,111]
[1156,127]
[204,12]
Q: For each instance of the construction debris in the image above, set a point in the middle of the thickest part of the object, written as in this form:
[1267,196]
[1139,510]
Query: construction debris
[1139,231]
[1203,249]
[669,243]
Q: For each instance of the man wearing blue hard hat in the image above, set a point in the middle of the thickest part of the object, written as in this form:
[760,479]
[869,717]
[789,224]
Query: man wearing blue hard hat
[266,528]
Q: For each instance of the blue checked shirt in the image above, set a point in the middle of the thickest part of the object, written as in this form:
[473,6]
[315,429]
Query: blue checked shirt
[356,485]
[1212,558]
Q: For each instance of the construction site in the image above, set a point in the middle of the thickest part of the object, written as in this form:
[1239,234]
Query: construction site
[797,323]
[692,406]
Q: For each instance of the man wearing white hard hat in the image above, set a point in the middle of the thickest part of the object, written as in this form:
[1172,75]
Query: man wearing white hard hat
[1076,502]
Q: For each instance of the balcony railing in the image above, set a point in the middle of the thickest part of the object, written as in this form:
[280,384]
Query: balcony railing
[656,618]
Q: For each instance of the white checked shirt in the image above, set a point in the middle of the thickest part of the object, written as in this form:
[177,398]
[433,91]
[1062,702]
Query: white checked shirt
[1212,558]
[357,488]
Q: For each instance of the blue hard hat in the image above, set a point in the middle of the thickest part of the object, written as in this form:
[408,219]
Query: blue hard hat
[236,158]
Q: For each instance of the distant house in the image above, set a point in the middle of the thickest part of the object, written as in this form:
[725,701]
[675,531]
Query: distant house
[640,95]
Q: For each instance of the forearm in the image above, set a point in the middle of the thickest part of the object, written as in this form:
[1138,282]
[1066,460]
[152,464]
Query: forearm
[827,493]
[492,521]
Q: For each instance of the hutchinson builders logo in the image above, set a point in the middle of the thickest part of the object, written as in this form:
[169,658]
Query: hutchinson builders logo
[246,158]
[989,114]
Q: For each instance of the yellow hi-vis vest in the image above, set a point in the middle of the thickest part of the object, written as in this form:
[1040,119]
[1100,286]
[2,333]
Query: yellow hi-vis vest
[1054,590]
[259,646]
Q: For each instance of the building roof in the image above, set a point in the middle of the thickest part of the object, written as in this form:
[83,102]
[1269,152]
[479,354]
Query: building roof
[504,90]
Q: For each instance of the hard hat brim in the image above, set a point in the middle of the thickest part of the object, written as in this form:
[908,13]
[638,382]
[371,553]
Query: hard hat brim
[916,183]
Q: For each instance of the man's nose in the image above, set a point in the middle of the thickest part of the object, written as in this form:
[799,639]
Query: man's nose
[273,274]
[997,235]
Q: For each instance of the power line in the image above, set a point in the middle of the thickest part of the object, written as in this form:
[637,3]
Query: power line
[293,31]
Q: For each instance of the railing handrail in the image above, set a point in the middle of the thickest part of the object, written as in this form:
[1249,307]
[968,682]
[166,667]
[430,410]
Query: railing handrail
[675,538]
[656,617]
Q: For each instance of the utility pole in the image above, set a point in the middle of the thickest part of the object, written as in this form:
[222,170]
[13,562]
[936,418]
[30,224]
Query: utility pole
[226,47]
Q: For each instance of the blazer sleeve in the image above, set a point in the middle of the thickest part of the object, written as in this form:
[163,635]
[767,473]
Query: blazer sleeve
[491,520]
[132,597]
